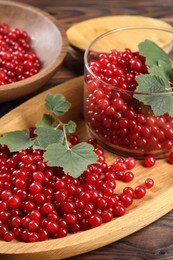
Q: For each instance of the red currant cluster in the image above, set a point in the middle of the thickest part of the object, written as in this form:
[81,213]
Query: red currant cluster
[114,116]
[17,59]
[38,202]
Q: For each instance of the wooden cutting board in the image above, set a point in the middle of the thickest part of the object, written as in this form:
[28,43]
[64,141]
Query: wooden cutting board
[157,202]
[80,35]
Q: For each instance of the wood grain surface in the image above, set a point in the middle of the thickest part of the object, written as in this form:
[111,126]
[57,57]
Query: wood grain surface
[155,241]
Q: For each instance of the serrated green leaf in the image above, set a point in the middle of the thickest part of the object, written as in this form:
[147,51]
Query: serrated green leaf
[166,67]
[47,120]
[160,104]
[157,81]
[162,71]
[57,104]
[70,128]
[17,140]
[153,53]
[150,83]
[46,136]
[74,161]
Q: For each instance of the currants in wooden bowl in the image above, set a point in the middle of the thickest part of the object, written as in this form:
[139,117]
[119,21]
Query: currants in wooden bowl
[129,91]
[32,46]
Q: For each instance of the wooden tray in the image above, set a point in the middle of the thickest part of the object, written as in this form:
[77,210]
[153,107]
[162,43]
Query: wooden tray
[157,202]
[80,35]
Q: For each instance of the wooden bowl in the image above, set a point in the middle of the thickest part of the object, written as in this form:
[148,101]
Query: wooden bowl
[48,39]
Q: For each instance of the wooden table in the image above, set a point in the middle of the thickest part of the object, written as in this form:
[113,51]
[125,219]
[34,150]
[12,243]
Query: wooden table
[154,241]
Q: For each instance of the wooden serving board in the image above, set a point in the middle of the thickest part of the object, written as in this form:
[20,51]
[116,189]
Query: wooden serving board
[157,202]
[80,35]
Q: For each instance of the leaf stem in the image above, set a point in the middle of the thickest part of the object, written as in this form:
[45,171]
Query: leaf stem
[61,124]
[65,136]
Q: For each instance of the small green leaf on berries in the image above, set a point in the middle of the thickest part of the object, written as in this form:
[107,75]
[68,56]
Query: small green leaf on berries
[17,140]
[57,104]
[74,161]
[46,136]
[70,127]
[47,120]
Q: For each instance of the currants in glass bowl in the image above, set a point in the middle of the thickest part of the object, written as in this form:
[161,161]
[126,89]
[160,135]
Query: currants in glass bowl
[129,91]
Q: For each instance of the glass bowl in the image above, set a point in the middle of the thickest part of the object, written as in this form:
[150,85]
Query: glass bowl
[123,119]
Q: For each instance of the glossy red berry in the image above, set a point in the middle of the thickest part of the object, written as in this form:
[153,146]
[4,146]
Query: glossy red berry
[119,165]
[119,211]
[93,142]
[127,200]
[149,183]
[149,160]
[36,187]
[8,236]
[130,163]
[128,191]
[139,192]
[73,139]
[14,201]
[95,220]
[128,176]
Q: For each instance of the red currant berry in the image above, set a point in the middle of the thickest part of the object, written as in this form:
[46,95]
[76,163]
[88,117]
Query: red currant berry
[149,183]
[73,139]
[139,192]
[149,160]
[95,220]
[8,236]
[128,176]
[130,163]
[119,211]
[126,200]
[14,201]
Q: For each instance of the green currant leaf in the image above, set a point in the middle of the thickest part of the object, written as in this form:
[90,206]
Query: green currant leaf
[160,103]
[70,128]
[165,66]
[47,120]
[163,72]
[74,161]
[46,136]
[17,140]
[153,53]
[150,83]
[157,81]
[57,104]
